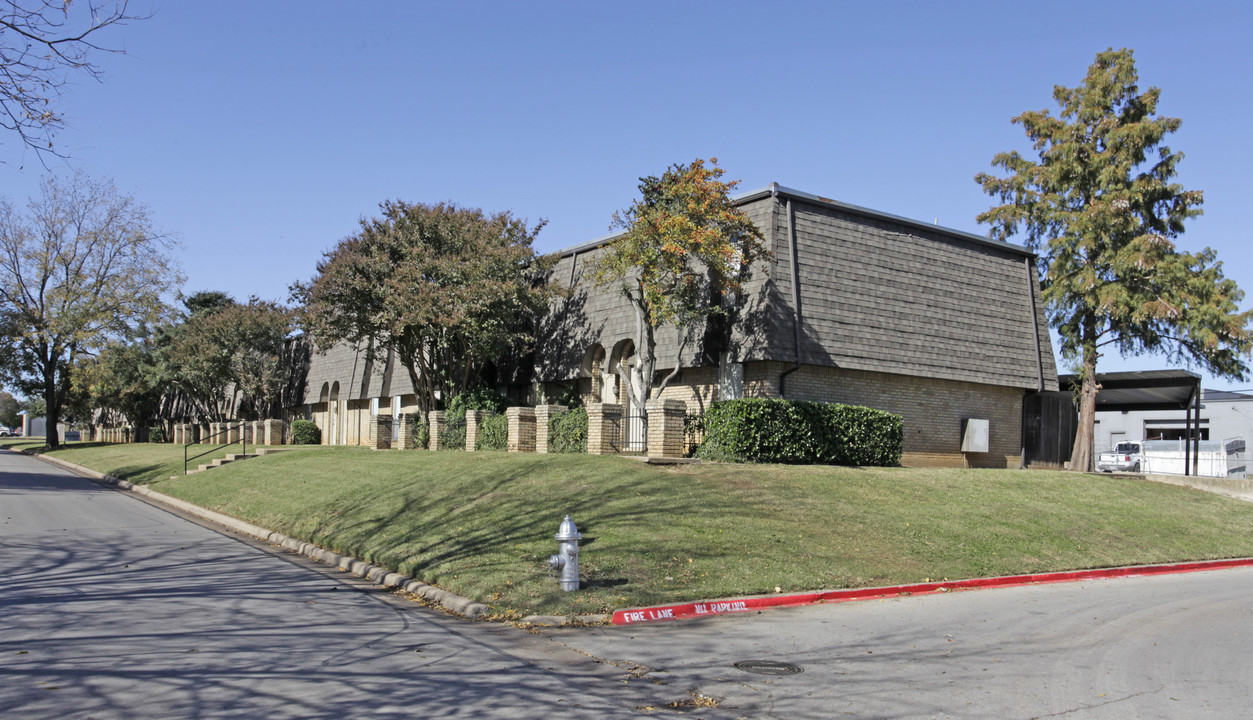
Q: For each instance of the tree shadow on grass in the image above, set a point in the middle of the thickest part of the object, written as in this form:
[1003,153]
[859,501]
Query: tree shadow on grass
[451,541]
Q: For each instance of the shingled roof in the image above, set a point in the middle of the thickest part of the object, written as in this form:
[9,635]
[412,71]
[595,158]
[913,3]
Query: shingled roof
[877,292]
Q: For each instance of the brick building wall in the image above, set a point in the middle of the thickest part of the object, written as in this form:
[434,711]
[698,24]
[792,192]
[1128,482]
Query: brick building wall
[932,409]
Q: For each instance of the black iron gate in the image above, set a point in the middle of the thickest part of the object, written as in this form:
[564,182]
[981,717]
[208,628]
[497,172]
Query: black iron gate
[1049,424]
[630,434]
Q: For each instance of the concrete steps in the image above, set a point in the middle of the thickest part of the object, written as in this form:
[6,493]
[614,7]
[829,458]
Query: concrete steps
[236,457]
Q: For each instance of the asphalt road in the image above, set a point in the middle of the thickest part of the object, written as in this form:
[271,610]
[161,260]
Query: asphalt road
[1174,646]
[114,608]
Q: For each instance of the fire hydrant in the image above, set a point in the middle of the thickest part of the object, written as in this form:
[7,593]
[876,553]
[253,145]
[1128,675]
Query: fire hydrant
[567,558]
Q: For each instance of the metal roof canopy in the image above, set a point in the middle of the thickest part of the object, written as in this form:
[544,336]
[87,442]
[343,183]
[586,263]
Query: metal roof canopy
[1142,390]
[1152,390]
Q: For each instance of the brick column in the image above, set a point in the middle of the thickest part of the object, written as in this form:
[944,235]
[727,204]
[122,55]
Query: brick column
[381,432]
[215,437]
[435,421]
[126,434]
[474,419]
[602,423]
[273,432]
[544,413]
[521,428]
[404,434]
[665,428]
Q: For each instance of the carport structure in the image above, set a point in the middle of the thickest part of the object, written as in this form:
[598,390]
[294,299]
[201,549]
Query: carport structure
[1151,390]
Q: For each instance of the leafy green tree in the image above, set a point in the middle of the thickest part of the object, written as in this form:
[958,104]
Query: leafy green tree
[1100,208]
[123,379]
[684,247]
[448,289]
[206,302]
[8,410]
[225,349]
[34,406]
[81,267]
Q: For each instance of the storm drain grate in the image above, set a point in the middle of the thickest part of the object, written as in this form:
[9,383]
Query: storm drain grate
[768,667]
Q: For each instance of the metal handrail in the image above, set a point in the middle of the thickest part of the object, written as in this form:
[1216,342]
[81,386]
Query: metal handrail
[243,442]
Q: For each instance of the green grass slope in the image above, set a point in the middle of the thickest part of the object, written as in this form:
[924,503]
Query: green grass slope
[482,524]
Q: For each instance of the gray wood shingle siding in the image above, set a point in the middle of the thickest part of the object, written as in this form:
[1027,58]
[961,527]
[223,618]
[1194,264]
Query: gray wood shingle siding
[357,378]
[887,297]
[592,316]
[877,293]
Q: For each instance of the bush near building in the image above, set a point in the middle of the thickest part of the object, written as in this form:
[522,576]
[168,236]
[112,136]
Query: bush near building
[786,431]
[305,432]
[494,433]
[567,432]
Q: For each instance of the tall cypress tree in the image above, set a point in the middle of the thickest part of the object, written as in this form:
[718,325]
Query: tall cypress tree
[1100,208]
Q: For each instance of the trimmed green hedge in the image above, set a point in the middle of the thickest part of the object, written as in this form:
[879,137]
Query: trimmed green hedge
[785,431]
[305,432]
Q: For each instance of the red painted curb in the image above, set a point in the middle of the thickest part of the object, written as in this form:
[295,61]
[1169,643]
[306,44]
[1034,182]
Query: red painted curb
[722,607]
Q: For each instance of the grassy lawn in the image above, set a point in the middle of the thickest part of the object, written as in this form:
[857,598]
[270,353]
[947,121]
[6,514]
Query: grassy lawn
[138,462]
[482,524]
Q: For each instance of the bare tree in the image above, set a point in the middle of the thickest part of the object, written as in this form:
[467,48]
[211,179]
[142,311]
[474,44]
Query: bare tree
[42,42]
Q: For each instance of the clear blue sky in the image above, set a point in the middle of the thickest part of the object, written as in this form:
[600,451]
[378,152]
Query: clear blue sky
[260,132]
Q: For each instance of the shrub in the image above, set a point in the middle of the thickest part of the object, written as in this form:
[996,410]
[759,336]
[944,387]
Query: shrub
[305,432]
[693,433]
[494,433]
[156,434]
[478,398]
[421,435]
[785,431]
[452,435]
[567,431]
[568,396]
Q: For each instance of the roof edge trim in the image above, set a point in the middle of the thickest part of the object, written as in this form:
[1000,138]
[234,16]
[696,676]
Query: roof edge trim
[779,190]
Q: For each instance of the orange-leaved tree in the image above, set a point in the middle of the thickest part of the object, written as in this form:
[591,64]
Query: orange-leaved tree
[684,252]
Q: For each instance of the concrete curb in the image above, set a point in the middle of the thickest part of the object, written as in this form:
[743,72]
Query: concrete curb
[707,608]
[378,575]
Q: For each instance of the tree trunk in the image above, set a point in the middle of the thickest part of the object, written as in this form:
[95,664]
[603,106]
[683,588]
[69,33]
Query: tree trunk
[52,410]
[1081,453]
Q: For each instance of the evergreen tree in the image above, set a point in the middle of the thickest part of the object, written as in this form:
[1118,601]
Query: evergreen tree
[1102,211]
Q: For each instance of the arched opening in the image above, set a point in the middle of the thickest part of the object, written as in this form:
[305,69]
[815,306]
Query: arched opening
[594,367]
[634,430]
[320,412]
[622,358]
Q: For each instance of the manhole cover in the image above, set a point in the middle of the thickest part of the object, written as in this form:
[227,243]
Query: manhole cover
[768,667]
